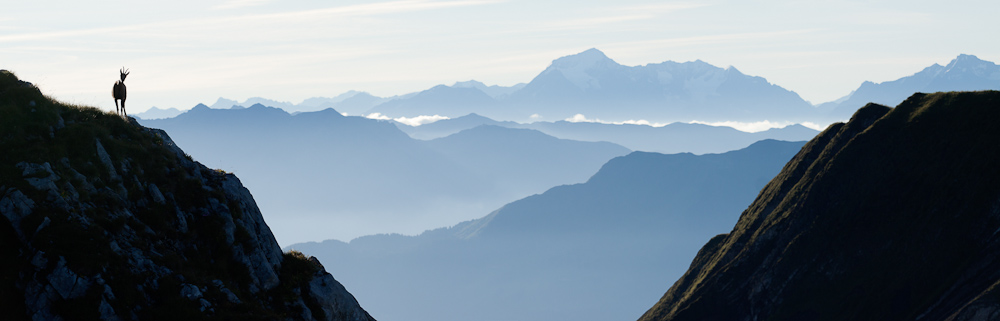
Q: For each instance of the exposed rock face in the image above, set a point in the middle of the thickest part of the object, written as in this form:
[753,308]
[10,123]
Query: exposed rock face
[103,219]
[891,216]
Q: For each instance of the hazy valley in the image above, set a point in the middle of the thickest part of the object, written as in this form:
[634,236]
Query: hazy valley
[583,194]
[598,250]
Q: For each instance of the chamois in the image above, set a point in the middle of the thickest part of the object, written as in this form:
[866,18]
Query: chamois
[118,92]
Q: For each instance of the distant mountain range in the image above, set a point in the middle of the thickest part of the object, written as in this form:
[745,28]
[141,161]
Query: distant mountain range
[965,73]
[157,113]
[590,75]
[600,250]
[497,92]
[351,102]
[352,176]
[671,138]
[592,84]
[596,86]
[891,216]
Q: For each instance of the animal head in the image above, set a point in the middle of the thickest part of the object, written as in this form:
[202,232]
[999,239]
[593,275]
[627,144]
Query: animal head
[124,73]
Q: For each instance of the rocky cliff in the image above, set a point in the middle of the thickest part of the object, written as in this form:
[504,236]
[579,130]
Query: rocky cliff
[103,219]
[893,215]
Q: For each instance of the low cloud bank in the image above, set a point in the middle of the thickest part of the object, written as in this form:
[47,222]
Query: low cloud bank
[753,127]
[414,121]
[750,127]
[580,118]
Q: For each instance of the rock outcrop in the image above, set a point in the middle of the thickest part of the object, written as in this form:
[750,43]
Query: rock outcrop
[103,219]
[891,216]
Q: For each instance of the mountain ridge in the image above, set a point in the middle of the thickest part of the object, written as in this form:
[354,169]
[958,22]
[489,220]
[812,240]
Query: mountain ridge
[590,83]
[567,253]
[963,73]
[667,139]
[367,172]
[103,219]
[836,234]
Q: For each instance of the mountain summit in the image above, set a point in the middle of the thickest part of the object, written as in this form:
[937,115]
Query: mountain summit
[578,68]
[891,216]
[103,219]
[964,73]
[594,85]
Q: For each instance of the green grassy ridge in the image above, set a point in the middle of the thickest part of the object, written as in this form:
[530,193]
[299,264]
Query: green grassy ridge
[878,218]
[36,129]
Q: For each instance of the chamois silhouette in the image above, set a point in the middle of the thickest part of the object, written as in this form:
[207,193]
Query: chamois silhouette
[118,92]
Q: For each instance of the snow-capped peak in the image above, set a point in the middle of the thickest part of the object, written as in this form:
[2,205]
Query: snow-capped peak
[576,68]
[969,64]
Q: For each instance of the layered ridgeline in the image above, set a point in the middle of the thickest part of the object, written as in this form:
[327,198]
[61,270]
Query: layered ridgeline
[322,175]
[891,216]
[594,85]
[103,219]
[669,139]
[588,83]
[597,251]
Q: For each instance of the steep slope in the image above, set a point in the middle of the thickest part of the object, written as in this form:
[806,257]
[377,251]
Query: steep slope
[103,219]
[964,73]
[891,216]
[592,251]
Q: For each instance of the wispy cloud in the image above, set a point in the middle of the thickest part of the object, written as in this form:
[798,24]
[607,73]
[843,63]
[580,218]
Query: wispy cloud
[713,39]
[62,33]
[591,22]
[619,14]
[580,118]
[207,25]
[412,121]
[662,7]
[233,4]
[891,17]
[370,9]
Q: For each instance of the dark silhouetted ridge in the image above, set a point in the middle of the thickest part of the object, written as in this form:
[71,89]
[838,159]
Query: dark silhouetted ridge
[103,219]
[890,216]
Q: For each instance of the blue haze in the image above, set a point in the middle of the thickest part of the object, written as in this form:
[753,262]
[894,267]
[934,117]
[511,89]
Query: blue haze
[321,175]
[601,250]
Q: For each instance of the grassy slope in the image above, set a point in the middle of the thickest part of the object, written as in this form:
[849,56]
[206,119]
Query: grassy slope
[888,221]
[37,129]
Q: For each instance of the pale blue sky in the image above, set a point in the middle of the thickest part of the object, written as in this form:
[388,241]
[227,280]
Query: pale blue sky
[185,52]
